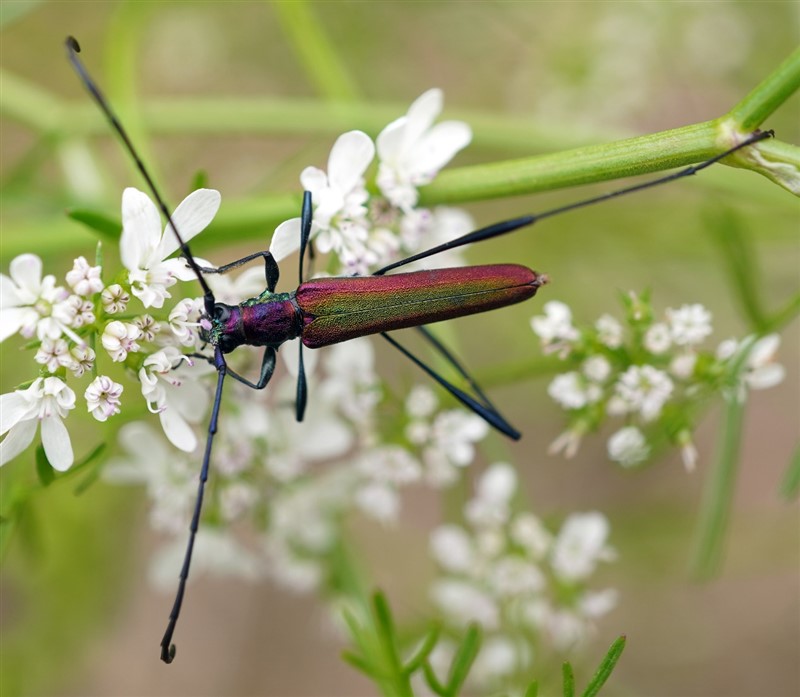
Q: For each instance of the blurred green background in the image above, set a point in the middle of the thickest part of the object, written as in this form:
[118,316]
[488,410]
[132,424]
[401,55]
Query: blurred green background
[78,617]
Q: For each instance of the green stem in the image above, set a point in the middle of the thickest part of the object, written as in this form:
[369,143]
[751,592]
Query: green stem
[769,94]
[323,65]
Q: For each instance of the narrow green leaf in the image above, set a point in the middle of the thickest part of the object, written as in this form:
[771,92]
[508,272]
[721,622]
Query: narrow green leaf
[532,689]
[790,484]
[569,679]
[741,265]
[786,314]
[422,653]
[464,658]
[358,663]
[43,467]
[607,666]
[102,223]
[433,681]
[199,181]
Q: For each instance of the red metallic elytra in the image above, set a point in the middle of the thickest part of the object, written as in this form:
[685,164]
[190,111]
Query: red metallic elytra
[327,311]
[339,309]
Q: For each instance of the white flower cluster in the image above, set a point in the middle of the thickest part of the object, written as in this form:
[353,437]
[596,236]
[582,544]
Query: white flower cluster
[366,234]
[647,372]
[521,583]
[68,323]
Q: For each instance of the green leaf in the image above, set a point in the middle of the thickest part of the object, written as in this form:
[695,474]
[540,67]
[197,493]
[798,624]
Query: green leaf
[433,681]
[607,666]
[532,689]
[569,679]
[422,653]
[105,225]
[199,180]
[463,660]
[358,663]
[43,467]
[790,484]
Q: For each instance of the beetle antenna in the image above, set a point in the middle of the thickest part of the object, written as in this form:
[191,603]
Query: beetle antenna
[506,226]
[167,647]
[73,48]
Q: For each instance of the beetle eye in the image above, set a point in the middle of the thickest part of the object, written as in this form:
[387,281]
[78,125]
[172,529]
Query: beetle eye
[221,312]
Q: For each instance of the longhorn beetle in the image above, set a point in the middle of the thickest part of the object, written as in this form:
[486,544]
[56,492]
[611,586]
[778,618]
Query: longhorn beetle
[327,311]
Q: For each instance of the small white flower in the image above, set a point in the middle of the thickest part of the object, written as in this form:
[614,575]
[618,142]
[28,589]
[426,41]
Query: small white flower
[454,432]
[412,149]
[644,389]
[75,311]
[580,545]
[555,328]
[47,400]
[688,450]
[27,301]
[628,446]
[173,394]
[498,658]
[184,321]
[452,548]
[421,402]
[609,331]
[115,299]
[379,501]
[529,533]
[82,360]
[147,326]
[84,279]
[682,365]
[595,604]
[391,464]
[54,354]
[145,244]
[658,338]
[102,397]
[514,576]
[464,603]
[490,506]
[339,199]
[762,373]
[689,324]
[597,368]
[119,339]
[571,391]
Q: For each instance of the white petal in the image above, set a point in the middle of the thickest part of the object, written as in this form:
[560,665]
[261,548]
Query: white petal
[764,350]
[19,438]
[286,239]
[766,376]
[14,407]
[350,156]
[8,293]
[191,217]
[439,146]
[421,115]
[141,229]
[314,180]
[390,140]
[56,443]
[177,430]
[179,268]
[26,270]
[11,321]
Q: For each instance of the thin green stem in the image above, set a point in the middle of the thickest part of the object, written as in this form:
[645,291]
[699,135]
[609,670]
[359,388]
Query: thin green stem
[768,95]
[323,64]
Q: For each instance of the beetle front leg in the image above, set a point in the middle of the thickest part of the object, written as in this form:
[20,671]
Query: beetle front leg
[271,271]
[267,369]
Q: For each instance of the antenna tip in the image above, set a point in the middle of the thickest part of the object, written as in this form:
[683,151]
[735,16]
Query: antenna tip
[168,655]
[72,44]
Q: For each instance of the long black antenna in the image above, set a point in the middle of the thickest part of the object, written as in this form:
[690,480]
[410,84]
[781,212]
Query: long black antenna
[509,225]
[167,647]
[73,49]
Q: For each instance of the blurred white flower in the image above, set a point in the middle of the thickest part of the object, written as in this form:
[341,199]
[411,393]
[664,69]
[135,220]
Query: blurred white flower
[609,331]
[571,391]
[628,446]
[555,328]
[47,400]
[644,389]
[658,338]
[580,545]
[597,368]
[378,500]
[452,548]
[463,602]
[689,324]
[762,372]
